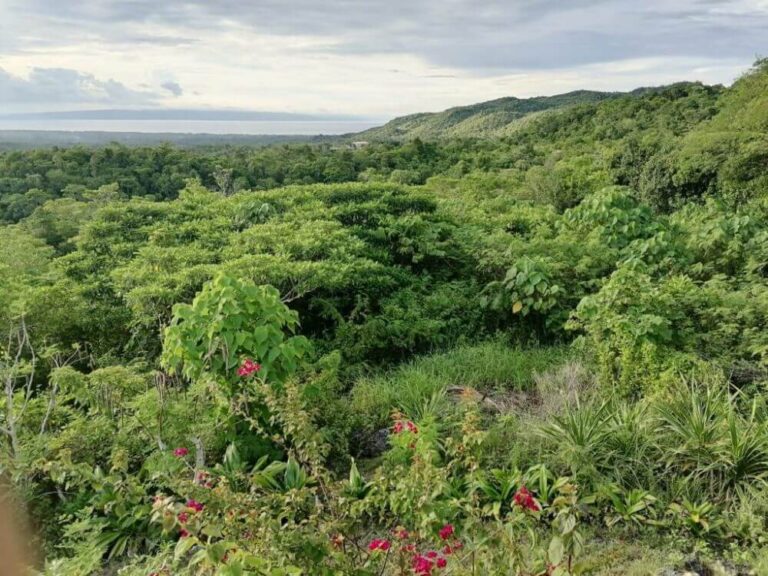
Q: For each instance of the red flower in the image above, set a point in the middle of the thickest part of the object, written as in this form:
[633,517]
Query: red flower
[248,367]
[401,426]
[422,565]
[447,550]
[194,505]
[379,544]
[183,533]
[446,531]
[183,517]
[441,562]
[525,499]
[432,554]
[181,452]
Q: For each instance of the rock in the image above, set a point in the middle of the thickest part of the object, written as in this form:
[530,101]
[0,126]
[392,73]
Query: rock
[371,444]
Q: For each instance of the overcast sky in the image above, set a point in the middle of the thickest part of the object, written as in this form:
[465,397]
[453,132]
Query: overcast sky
[366,57]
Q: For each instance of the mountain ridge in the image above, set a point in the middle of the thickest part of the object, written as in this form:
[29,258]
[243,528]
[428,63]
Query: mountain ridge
[497,117]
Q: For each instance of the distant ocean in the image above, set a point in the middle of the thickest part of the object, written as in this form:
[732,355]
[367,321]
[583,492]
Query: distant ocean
[250,127]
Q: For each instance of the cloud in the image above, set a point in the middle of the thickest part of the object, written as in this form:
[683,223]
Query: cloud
[374,56]
[466,34]
[61,88]
[173,87]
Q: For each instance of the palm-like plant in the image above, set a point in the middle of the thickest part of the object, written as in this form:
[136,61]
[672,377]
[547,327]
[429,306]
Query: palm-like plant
[692,433]
[744,454]
[580,436]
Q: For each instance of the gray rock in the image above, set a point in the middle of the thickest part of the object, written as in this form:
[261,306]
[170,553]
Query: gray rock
[371,444]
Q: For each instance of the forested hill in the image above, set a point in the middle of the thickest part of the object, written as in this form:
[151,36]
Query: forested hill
[556,147]
[494,117]
[500,117]
[541,353]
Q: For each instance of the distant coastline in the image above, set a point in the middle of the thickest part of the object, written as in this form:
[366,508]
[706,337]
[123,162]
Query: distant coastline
[25,134]
[190,126]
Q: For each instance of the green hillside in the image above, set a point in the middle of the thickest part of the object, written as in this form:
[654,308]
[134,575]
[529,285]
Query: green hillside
[491,118]
[538,349]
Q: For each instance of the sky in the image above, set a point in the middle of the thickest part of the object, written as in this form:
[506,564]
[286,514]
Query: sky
[375,59]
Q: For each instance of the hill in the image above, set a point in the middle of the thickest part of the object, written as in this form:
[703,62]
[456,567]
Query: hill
[482,119]
[536,354]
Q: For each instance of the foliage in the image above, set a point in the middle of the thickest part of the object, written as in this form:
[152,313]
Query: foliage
[511,349]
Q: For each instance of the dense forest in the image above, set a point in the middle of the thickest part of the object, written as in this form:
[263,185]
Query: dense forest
[525,337]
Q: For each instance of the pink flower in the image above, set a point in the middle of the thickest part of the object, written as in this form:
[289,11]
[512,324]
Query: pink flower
[431,554]
[247,368]
[446,532]
[379,544]
[181,452]
[422,565]
[183,517]
[401,426]
[441,563]
[409,547]
[447,550]
[525,499]
[194,505]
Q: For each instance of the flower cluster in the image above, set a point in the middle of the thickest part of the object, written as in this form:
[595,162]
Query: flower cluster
[181,452]
[379,544]
[248,368]
[423,564]
[402,426]
[525,499]
[446,532]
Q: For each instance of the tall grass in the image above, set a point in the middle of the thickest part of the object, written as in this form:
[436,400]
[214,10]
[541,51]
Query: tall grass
[489,366]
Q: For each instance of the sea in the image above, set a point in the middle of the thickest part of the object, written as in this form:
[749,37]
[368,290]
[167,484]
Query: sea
[250,127]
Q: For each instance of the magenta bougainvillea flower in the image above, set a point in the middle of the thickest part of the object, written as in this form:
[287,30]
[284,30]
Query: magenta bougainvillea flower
[422,565]
[405,425]
[379,544]
[248,367]
[446,531]
[525,499]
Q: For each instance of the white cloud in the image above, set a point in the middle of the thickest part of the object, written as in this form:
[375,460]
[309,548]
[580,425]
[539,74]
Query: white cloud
[62,88]
[339,56]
